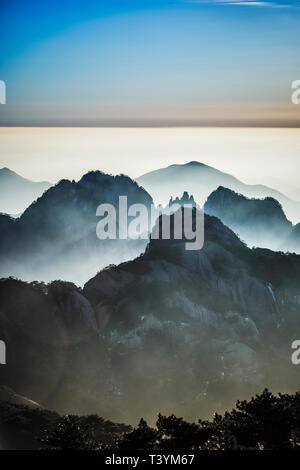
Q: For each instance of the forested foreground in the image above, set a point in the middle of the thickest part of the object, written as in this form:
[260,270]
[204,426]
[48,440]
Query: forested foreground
[265,422]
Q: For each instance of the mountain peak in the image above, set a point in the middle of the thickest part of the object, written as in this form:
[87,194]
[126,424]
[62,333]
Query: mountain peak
[6,172]
[260,222]
[194,163]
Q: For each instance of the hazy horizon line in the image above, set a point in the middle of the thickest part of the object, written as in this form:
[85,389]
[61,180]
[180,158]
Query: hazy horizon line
[158,124]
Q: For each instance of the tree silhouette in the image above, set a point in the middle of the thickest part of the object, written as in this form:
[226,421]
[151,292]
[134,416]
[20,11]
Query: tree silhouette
[69,434]
[264,422]
[178,434]
[141,438]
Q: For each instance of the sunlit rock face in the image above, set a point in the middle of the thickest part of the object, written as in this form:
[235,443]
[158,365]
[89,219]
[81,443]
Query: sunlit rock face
[56,238]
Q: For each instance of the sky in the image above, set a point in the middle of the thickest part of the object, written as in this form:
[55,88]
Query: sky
[142,63]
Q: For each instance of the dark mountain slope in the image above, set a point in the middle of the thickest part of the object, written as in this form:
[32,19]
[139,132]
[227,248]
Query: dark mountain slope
[292,242]
[8,395]
[56,236]
[259,222]
[173,330]
[23,427]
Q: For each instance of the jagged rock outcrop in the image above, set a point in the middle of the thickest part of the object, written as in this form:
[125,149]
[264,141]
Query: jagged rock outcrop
[224,303]
[200,180]
[185,199]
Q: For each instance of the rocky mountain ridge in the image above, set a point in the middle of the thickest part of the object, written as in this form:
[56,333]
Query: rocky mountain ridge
[259,222]
[178,328]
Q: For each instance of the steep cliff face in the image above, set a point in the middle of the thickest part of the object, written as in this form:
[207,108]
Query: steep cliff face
[171,330]
[46,329]
[220,315]
[259,222]
[220,272]
[53,236]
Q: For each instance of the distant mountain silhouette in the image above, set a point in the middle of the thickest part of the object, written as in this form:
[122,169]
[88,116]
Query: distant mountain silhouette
[17,193]
[23,425]
[172,330]
[9,395]
[55,238]
[259,222]
[200,180]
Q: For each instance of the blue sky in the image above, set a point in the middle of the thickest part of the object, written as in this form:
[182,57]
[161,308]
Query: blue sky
[184,61]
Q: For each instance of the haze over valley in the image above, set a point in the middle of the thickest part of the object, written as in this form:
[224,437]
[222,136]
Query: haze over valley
[148,314]
[120,307]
